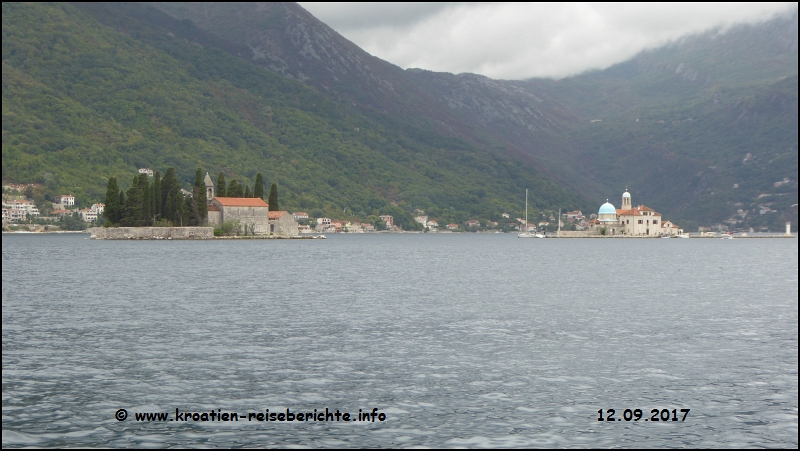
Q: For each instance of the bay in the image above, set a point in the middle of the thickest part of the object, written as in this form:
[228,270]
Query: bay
[474,340]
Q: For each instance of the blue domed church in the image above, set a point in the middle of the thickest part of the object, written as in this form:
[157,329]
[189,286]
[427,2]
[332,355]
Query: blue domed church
[632,221]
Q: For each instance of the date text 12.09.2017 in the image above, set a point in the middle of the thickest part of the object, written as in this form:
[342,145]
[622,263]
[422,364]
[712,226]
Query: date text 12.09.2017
[636,415]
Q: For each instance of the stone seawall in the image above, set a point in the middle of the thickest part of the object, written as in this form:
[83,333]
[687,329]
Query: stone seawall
[578,234]
[152,233]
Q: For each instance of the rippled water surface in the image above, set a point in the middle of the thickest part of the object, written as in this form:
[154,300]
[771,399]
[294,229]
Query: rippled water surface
[461,340]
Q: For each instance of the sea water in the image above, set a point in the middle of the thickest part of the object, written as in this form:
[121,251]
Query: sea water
[476,340]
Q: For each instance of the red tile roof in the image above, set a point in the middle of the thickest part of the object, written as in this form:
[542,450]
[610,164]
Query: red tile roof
[241,202]
[277,214]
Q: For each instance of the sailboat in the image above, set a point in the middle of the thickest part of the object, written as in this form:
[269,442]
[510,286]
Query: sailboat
[527,233]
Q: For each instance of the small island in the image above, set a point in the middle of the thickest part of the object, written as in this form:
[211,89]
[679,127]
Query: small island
[162,210]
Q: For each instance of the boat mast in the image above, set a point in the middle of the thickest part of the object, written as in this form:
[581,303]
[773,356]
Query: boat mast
[526,211]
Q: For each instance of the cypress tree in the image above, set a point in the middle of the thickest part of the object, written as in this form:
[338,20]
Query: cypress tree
[157,196]
[111,210]
[133,208]
[180,209]
[235,189]
[220,190]
[258,189]
[144,190]
[121,207]
[196,189]
[202,205]
[199,198]
[273,198]
[168,214]
[183,209]
[169,184]
[247,192]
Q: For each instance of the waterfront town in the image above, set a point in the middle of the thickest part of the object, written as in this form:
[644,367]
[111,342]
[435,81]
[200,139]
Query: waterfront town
[25,208]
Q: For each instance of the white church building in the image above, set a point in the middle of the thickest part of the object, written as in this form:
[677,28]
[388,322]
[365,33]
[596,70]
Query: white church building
[632,221]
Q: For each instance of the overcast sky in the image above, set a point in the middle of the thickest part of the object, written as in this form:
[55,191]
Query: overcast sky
[523,40]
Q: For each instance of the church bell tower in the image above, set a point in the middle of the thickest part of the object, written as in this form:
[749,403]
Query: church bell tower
[626,200]
[209,187]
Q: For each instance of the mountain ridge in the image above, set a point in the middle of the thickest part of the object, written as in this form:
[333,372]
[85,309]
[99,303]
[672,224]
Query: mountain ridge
[118,93]
[683,115]
[547,122]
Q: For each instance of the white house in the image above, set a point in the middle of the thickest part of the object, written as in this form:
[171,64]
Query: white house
[66,200]
[388,220]
[28,206]
[87,214]
[147,171]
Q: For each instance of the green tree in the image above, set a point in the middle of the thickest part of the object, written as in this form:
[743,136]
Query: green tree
[69,222]
[121,206]
[247,192]
[111,211]
[133,206]
[202,204]
[199,198]
[179,209]
[235,189]
[170,189]
[145,191]
[258,189]
[169,209]
[220,190]
[156,196]
[45,207]
[273,198]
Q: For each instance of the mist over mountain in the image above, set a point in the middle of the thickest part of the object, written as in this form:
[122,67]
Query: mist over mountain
[703,130]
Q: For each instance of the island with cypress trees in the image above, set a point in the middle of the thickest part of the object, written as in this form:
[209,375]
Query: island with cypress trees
[161,209]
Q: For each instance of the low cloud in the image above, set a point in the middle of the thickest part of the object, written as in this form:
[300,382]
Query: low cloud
[524,40]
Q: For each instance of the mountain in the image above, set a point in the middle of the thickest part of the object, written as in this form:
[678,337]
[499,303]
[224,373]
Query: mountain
[705,127]
[97,90]
[703,130]
[703,103]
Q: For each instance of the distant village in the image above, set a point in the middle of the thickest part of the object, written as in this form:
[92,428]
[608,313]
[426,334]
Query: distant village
[24,208]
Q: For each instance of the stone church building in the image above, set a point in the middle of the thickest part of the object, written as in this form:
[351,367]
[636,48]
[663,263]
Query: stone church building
[252,213]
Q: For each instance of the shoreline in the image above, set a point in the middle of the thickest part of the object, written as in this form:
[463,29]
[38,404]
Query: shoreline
[322,236]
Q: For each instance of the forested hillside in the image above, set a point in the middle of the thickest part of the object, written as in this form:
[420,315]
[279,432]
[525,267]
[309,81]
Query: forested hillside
[86,97]
[703,103]
[703,130]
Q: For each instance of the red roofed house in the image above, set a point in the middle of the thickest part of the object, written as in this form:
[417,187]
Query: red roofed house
[282,223]
[251,212]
